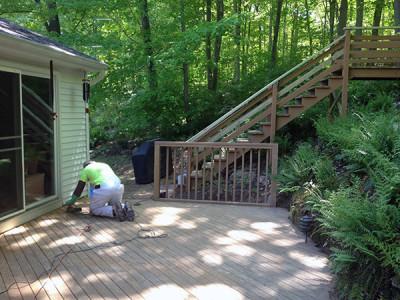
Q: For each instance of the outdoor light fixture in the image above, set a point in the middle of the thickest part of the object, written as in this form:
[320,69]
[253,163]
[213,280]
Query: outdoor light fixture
[305,224]
[86,89]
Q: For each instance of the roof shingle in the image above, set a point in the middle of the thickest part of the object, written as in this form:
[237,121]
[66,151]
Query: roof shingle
[16,31]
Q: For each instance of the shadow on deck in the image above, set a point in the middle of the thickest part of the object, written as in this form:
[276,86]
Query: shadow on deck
[211,252]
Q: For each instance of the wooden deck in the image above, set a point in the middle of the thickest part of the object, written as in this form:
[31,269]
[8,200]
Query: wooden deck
[211,252]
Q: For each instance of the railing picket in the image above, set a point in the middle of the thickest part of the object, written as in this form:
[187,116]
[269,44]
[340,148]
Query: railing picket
[219,175]
[274,171]
[234,176]
[174,166]
[250,169]
[267,191]
[196,175]
[189,171]
[242,176]
[226,174]
[182,176]
[211,175]
[166,173]
[203,187]
[258,175]
[157,171]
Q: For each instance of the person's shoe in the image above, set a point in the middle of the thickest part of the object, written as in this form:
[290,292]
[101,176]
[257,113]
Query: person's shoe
[73,209]
[129,212]
[119,212]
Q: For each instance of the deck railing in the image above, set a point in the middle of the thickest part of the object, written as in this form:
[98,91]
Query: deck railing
[240,173]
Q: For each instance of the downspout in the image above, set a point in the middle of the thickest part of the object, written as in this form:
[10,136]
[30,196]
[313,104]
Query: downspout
[99,77]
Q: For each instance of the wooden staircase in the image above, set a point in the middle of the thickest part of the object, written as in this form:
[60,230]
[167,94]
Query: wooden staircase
[349,57]
[209,166]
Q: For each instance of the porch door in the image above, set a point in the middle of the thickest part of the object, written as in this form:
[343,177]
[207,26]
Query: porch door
[11,189]
[38,121]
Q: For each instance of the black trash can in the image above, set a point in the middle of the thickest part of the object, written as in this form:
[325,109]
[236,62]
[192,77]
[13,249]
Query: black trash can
[143,162]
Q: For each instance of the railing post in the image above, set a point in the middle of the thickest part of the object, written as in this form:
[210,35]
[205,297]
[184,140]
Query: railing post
[345,72]
[157,171]
[273,111]
[274,172]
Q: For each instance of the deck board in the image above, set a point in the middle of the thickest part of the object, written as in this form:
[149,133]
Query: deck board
[212,251]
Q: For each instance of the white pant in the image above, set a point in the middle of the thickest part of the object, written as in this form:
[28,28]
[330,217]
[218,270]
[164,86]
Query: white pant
[102,199]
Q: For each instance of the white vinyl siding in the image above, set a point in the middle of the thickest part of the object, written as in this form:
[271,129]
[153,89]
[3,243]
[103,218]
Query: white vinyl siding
[73,133]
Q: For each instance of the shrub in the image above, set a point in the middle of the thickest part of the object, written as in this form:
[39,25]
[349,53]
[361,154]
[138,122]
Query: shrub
[296,170]
[366,252]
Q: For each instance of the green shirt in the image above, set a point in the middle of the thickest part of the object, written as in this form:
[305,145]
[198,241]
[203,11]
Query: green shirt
[97,173]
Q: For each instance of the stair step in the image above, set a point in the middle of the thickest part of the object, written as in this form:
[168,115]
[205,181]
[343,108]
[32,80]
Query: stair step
[324,82]
[283,115]
[298,100]
[294,106]
[208,165]
[199,174]
[218,157]
[255,132]
[309,97]
[242,140]
[323,87]
[336,77]
[265,123]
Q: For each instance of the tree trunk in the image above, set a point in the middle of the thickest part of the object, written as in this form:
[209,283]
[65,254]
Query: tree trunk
[208,46]
[270,26]
[260,31]
[53,23]
[237,7]
[325,22]
[332,10]
[310,39]
[185,66]
[294,33]
[377,15]
[397,14]
[217,45]
[148,48]
[284,42]
[248,41]
[274,51]
[359,15]
[342,16]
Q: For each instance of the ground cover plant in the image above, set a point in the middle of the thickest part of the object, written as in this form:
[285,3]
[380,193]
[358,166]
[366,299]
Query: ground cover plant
[349,180]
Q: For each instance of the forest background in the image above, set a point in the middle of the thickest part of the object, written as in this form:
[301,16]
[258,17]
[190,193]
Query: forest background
[176,65]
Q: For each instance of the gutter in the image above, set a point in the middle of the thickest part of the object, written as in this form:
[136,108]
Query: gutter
[99,77]
[58,53]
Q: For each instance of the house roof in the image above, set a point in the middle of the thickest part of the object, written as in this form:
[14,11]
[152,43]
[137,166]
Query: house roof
[22,34]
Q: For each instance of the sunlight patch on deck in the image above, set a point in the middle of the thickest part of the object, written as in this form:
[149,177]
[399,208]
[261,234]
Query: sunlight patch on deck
[266,227]
[166,291]
[166,216]
[243,235]
[309,261]
[17,230]
[241,250]
[211,257]
[216,291]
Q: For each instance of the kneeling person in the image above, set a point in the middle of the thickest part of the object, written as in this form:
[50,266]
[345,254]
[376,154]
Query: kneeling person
[105,192]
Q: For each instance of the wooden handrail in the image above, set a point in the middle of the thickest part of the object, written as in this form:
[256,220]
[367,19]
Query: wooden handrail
[214,145]
[370,27]
[269,86]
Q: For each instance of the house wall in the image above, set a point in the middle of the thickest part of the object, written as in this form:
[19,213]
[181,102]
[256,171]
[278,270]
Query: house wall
[73,133]
[71,137]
